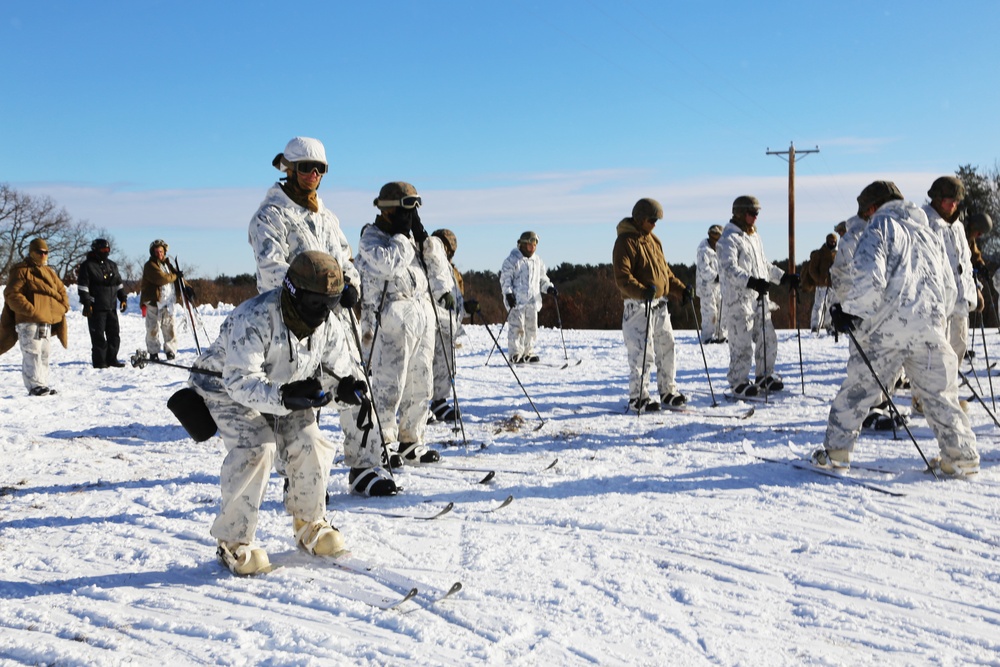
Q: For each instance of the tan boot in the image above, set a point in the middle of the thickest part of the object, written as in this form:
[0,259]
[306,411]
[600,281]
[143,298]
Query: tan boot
[832,459]
[318,537]
[243,559]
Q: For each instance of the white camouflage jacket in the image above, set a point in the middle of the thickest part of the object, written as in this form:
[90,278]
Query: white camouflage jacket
[526,277]
[741,257]
[901,282]
[281,229]
[256,354]
[959,258]
[393,259]
[843,263]
[707,264]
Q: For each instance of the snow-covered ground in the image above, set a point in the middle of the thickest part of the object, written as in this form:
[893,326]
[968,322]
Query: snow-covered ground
[654,540]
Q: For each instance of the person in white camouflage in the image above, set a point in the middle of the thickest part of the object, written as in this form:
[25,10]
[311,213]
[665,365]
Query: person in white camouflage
[900,295]
[402,271]
[746,279]
[645,282]
[523,280]
[449,329]
[947,193]
[713,329]
[280,357]
[880,417]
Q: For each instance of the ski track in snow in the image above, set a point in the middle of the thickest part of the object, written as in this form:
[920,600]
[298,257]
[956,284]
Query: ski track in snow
[654,540]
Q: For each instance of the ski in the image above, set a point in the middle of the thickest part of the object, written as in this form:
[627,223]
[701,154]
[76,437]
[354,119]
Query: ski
[383,601]
[395,580]
[749,399]
[558,365]
[461,468]
[507,501]
[805,465]
[403,515]
[871,467]
[431,469]
[708,413]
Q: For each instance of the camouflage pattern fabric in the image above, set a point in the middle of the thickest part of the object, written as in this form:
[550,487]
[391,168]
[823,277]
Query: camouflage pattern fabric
[403,350]
[659,347]
[161,318]
[820,318]
[33,339]
[449,323]
[960,261]
[526,278]
[741,257]
[256,354]
[903,288]
[281,229]
[709,291]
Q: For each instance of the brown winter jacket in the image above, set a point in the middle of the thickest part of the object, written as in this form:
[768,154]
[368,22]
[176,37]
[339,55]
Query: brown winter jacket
[155,276]
[638,261]
[820,262]
[34,294]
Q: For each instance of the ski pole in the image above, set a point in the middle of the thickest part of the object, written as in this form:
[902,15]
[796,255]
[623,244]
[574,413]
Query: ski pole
[988,297]
[965,381]
[496,344]
[371,392]
[186,303]
[697,328]
[892,404]
[798,336]
[141,358]
[986,354]
[490,332]
[555,297]
[378,324]
[642,368]
[763,337]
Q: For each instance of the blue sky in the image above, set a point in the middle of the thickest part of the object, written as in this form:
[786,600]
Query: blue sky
[160,119]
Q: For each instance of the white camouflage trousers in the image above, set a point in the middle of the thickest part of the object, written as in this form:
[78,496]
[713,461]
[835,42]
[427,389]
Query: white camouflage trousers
[821,309]
[712,326]
[958,334]
[522,329]
[748,338]
[158,318]
[659,347]
[932,369]
[252,441]
[402,372]
[444,360]
[34,342]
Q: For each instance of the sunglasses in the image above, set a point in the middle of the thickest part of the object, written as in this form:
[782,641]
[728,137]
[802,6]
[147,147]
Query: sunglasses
[309,167]
[754,212]
[42,252]
[409,201]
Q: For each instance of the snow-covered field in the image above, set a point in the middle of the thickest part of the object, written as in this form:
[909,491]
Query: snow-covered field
[654,540]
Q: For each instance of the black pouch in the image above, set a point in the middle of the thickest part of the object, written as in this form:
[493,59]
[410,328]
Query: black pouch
[190,409]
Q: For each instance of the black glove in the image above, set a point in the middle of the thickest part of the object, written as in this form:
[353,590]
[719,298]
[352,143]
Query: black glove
[978,268]
[552,290]
[179,274]
[419,233]
[189,293]
[304,394]
[124,306]
[472,306]
[511,301]
[447,300]
[687,296]
[88,309]
[843,322]
[350,390]
[349,297]
[791,279]
[648,292]
[759,285]
[716,278]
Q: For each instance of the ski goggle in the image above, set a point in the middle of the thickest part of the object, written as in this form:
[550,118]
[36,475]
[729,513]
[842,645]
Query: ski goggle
[309,167]
[409,201]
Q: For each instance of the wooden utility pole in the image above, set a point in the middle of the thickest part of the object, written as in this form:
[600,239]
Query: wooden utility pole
[791,153]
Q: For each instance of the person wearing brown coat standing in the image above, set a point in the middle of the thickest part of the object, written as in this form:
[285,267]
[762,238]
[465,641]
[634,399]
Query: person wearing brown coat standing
[158,295]
[818,269]
[35,307]
[645,281]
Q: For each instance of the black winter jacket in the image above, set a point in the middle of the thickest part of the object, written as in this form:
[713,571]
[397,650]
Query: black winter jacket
[99,283]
